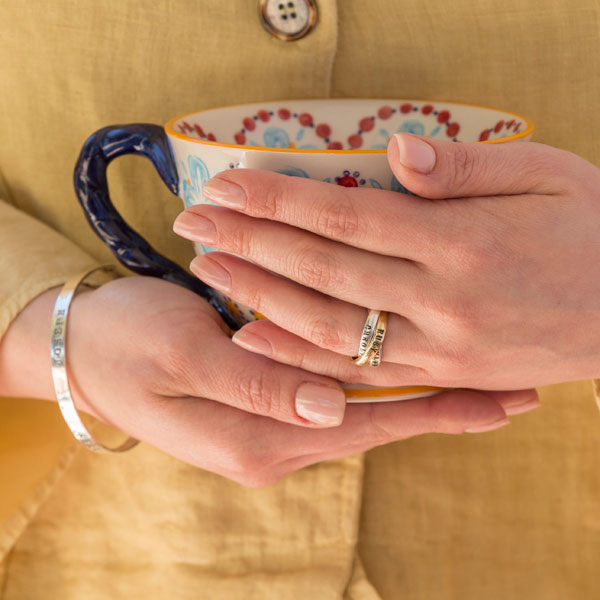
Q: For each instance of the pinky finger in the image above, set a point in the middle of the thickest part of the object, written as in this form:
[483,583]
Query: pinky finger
[266,338]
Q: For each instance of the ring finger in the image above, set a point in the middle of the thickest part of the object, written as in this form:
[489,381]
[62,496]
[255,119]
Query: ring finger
[327,322]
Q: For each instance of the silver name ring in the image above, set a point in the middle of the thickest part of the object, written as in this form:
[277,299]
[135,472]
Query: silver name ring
[372,339]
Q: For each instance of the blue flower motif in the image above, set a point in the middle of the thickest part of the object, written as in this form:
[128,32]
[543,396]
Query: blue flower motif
[276,137]
[197,174]
[415,127]
[294,172]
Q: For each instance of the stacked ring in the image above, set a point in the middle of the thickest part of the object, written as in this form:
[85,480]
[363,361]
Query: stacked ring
[371,341]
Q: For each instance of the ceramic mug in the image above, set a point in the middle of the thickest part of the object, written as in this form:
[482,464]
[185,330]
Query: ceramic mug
[340,141]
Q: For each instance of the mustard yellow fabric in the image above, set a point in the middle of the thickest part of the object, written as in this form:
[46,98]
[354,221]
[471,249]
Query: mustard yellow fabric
[508,514]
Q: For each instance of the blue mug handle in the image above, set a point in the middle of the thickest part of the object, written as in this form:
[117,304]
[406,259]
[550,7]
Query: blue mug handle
[130,248]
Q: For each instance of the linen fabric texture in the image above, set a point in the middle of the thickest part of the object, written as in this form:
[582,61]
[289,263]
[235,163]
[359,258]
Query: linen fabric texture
[509,514]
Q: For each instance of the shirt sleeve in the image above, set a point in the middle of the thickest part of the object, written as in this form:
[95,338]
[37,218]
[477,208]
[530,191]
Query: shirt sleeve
[35,258]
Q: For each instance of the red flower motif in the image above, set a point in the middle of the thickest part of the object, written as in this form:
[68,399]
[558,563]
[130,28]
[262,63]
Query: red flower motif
[263,115]
[305,119]
[443,116]
[355,141]
[323,130]
[348,181]
[385,112]
[366,124]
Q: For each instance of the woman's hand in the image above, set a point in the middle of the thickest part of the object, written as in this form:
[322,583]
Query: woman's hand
[491,276]
[157,362]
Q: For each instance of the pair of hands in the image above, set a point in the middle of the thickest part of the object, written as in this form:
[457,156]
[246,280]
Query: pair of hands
[490,278]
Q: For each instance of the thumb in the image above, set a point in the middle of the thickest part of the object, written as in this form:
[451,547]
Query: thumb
[439,169]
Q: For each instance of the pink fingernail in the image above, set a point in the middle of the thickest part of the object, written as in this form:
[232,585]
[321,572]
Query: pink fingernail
[211,272]
[415,153]
[225,192]
[490,426]
[320,404]
[195,227]
[252,342]
[523,408]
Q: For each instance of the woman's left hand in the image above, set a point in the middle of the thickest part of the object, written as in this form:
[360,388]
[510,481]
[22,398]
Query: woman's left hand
[491,275]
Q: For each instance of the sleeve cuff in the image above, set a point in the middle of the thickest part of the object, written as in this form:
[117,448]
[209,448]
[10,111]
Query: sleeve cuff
[34,258]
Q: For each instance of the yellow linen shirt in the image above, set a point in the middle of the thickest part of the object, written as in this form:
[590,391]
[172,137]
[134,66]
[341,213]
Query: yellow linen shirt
[508,514]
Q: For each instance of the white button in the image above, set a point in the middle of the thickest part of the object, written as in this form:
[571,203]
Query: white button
[288,19]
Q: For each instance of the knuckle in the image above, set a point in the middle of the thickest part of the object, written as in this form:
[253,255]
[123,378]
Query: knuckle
[458,312]
[437,410]
[238,242]
[548,168]
[265,200]
[325,333]
[456,362]
[253,297]
[378,433]
[316,269]
[338,221]
[257,393]
[474,254]
[462,167]
[177,368]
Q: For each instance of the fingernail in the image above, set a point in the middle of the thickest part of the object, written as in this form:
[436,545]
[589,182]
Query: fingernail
[195,227]
[211,272]
[225,192]
[415,153]
[523,408]
[320,404]
[252,342]
[490,426]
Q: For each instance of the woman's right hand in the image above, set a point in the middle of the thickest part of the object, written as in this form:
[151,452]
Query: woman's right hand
[156,361]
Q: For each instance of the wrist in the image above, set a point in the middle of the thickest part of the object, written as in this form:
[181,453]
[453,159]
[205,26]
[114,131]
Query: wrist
[25,364]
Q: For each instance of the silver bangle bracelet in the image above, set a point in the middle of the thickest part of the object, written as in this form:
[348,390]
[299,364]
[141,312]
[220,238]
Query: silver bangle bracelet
[58,354]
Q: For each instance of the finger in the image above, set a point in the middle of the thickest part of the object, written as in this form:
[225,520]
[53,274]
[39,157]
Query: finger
[268,339]
[253,450]
[438,169]
[327,322]
[347,273]
[368,425]
[378,220]
[253,383]
[516,402]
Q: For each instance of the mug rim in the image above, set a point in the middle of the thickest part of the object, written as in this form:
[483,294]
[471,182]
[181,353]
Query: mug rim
[170,129]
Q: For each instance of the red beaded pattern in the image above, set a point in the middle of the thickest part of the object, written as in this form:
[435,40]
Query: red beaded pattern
[322,130]
[499,126]
[365,124]
[186,128]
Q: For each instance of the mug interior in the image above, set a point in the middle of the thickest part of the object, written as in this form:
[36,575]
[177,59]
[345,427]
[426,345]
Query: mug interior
[346,124]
